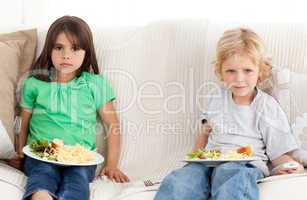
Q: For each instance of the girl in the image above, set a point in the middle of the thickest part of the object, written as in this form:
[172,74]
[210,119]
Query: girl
[61,99]
[237,114]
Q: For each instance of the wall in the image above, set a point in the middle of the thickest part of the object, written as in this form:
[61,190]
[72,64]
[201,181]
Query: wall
[140,12]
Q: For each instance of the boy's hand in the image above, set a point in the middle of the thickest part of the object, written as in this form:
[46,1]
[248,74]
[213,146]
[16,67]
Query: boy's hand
[113,173]
[288,168]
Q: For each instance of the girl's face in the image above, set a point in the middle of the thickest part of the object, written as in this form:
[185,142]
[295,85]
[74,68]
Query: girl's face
[66,57]
[241,75]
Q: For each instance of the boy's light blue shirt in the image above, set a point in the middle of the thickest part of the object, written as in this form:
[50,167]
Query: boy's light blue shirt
[262,125]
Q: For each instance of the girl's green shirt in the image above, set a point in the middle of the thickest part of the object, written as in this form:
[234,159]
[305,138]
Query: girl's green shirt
[66,111]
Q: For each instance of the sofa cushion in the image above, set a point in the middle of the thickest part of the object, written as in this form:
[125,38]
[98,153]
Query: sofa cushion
[9,191]
[16,55]
[12,182]
[292,95]
[152,69]
[284,187]
[102,188]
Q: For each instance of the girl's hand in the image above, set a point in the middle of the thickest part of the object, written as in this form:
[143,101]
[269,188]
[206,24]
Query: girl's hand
[20,153]
[288,168]
[17,161]
[113,173]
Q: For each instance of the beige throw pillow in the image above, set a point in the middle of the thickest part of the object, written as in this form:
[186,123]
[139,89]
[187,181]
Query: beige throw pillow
[17,51]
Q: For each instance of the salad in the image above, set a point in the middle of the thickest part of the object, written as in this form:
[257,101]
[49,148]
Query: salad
[57,151]
[42,149]
[240,153]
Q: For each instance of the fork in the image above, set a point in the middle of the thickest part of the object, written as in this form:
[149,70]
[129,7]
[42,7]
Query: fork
[148,183]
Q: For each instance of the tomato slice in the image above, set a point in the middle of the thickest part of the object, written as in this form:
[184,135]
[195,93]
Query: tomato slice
[247,150]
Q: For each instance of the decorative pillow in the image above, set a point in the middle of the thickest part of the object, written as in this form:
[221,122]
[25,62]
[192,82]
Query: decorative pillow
[17,52]
[6,148]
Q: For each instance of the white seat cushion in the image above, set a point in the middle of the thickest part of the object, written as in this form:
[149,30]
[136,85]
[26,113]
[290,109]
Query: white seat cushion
[285,187]
[9,191]
[105,189]
[293,186]
[12,183]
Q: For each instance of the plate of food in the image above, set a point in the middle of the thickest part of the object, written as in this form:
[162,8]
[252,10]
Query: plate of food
[212,158]
[65,155]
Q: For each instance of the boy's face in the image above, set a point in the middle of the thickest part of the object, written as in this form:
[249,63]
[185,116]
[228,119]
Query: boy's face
[240,75]
[66,57]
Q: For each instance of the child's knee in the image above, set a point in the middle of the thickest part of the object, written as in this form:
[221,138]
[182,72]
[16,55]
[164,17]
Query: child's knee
[41,195]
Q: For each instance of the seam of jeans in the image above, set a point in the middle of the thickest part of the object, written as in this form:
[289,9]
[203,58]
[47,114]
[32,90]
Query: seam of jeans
[247,184]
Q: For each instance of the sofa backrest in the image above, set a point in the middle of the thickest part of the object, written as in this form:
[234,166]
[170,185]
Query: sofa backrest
[160,72]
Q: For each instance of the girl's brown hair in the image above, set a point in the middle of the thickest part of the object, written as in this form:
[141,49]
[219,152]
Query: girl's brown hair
[80,35]
[243,41]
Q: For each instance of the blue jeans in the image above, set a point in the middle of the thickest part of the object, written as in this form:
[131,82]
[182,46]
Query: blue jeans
[69,183]
[195,181]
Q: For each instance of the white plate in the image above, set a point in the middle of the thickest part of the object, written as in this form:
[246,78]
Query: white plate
[98,159]
[214,163]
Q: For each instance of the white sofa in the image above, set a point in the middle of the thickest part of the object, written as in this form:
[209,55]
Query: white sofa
[158,72]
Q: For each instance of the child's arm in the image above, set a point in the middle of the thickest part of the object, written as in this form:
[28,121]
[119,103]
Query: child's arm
[25,118]
[108,115]
[281,165]
[22,137]
[202,138]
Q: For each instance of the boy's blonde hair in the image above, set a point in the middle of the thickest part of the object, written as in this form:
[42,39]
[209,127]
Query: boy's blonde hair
[243,41]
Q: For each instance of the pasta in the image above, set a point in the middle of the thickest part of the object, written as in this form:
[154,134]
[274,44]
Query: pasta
[74,154]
